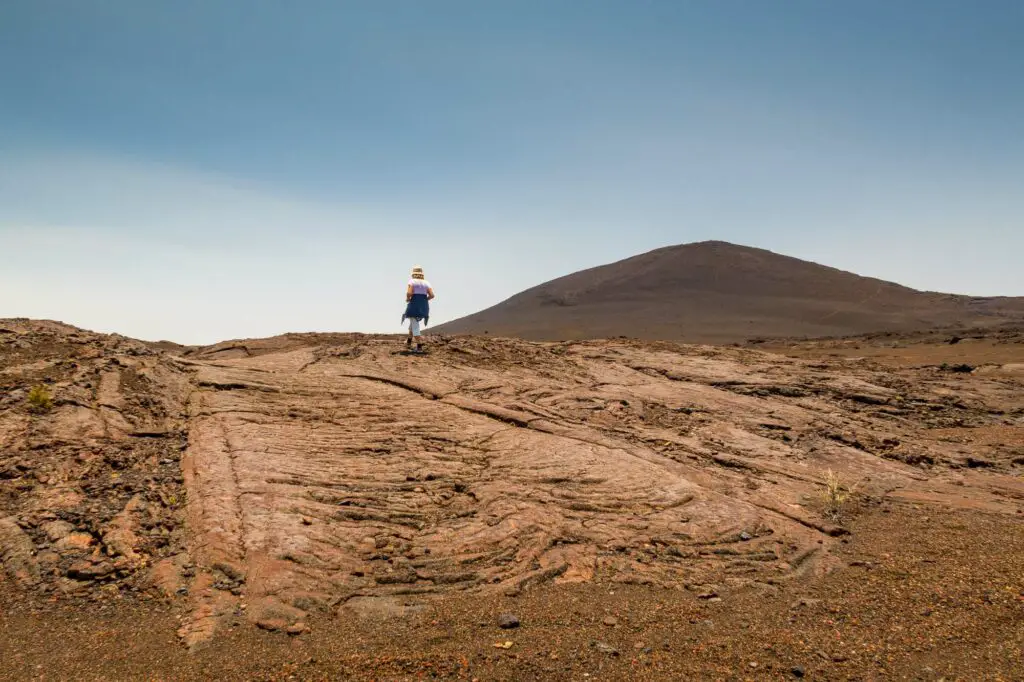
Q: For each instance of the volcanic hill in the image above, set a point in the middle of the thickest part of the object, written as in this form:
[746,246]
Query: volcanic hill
[716,292]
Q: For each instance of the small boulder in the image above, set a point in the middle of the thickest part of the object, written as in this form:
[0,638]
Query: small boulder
[57,530]
[75,542]
[87,570]
[272,624]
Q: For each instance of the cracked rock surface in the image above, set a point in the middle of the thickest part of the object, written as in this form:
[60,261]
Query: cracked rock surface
[333,474]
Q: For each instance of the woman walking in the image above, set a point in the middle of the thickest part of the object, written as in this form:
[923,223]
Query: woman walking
[418,294]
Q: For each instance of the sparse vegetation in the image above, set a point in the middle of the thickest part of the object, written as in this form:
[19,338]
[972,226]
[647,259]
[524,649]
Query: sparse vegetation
[958,368]
[834,495]
[40,399]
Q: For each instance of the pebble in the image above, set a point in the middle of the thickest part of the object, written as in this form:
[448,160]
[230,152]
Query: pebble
[797,671]
[507,621]
[611,621]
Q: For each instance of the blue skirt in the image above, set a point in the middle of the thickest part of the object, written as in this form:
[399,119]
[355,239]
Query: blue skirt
[418,309]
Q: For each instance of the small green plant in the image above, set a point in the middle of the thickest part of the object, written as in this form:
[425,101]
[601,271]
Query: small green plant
[834,495]
[40,399]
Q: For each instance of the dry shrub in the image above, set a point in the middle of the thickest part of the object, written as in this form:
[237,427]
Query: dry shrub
[834,495]
[40,399]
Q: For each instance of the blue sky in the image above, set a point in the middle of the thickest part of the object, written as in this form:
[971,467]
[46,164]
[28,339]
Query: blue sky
[200,170]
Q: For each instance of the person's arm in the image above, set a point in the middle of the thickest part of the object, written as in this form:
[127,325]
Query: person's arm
[430,293]
[408,293]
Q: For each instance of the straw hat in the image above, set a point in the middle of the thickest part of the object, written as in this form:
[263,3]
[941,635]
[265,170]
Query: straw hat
[417,272]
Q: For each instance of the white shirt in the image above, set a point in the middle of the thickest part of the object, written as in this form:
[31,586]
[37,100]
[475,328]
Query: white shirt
[419,286]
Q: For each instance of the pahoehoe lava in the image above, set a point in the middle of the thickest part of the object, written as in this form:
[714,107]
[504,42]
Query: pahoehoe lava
[328,473]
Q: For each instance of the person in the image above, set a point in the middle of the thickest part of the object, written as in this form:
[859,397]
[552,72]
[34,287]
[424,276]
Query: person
[418,294]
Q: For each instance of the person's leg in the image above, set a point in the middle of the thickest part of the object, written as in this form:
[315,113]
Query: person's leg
[414,328]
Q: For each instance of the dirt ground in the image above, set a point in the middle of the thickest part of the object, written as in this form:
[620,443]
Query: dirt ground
[991,350]
[326,507]
[924,594]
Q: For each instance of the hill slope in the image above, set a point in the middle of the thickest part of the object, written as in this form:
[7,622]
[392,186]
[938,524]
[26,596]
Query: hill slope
[720,292]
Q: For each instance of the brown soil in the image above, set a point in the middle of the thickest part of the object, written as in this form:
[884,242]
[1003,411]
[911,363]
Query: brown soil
[647,510]
[990,351]
[926,594]
[715,292]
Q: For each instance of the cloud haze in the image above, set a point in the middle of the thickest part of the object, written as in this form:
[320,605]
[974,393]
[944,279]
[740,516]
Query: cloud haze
[199,171]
